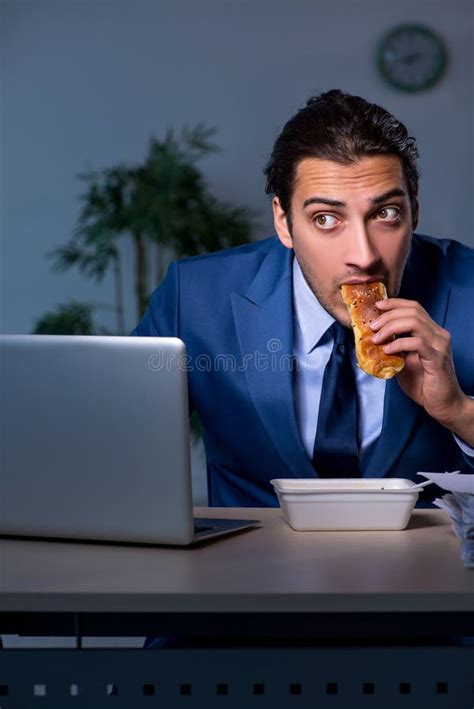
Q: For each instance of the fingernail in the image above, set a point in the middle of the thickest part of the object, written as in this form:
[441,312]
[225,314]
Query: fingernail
[376,337]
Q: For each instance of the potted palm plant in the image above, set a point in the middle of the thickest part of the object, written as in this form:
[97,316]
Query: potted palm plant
[163,205]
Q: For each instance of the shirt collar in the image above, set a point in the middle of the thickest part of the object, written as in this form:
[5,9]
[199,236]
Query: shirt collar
[311,318]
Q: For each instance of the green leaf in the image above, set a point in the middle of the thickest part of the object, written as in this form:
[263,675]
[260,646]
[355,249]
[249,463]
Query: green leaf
[165,199]
[70,318]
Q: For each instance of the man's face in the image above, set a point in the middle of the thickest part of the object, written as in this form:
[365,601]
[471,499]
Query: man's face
[350,223]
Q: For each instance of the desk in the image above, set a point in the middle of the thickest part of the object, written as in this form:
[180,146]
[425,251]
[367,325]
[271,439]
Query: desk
[316,611]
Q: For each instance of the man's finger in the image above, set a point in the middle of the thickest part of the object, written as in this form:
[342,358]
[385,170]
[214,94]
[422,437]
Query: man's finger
[392,303]
[396,313]
[402,326]
[413,344]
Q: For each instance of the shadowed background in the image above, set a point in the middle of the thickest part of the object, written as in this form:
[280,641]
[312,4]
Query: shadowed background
[85,83]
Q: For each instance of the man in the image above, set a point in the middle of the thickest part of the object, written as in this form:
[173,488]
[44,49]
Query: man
[269,372]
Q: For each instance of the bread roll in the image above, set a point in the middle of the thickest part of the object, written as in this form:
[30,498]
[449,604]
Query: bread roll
[360,299]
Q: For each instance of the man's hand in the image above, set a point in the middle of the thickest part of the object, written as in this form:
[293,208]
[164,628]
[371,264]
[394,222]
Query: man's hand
[429,377]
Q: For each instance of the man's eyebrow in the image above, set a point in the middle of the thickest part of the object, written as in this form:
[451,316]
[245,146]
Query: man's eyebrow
[323,200]
[396,192]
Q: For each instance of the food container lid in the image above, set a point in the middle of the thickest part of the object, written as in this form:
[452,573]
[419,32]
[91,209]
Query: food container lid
[317,485]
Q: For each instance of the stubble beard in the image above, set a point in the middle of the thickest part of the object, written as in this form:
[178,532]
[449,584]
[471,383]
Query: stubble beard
[321,294]
[326,298]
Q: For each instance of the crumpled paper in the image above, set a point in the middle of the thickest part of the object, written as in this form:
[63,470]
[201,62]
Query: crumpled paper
[459,504]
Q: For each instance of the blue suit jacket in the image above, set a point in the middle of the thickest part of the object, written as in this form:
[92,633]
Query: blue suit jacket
[233,309]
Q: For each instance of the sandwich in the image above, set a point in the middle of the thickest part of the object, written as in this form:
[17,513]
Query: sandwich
[360,299]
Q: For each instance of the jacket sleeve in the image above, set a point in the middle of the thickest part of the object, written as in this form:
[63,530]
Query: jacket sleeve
[161,318]
[468,452]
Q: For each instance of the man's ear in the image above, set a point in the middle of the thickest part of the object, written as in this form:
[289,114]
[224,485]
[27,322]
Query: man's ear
[281,224]
[414,213]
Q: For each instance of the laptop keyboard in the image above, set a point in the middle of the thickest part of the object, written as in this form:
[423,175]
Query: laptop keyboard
[199,528]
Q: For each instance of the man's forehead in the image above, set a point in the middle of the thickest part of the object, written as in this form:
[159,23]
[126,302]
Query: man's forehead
[369,175]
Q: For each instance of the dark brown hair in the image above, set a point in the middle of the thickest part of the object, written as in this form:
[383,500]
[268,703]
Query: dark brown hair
[340,127]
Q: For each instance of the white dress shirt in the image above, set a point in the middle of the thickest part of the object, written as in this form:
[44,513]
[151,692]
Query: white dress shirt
[312,349]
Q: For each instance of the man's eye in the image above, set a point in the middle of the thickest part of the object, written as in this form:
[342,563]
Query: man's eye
[325,221]
[388,214]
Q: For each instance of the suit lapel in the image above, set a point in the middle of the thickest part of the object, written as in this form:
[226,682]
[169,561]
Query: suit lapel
[421,282]
[264,323]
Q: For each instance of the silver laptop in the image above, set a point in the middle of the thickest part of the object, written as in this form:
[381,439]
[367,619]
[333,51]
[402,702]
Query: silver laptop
[94,441]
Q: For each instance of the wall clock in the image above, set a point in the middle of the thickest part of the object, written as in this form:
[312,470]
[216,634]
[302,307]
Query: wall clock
[412,57]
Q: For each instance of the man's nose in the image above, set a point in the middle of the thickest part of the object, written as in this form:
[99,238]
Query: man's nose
[361,252]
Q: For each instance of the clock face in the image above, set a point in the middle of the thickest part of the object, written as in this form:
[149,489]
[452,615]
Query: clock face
[412,58]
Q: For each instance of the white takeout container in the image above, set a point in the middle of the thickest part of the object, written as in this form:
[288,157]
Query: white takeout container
[346,503]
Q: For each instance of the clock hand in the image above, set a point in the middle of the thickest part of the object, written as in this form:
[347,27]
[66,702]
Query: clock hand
[411,58]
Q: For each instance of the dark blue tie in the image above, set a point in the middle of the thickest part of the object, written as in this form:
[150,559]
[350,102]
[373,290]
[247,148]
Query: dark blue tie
[336,449]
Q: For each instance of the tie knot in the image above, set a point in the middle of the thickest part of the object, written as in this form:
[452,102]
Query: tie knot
[342,335]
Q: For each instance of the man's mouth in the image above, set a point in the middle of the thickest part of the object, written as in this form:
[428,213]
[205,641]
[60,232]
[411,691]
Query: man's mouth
[360,279]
